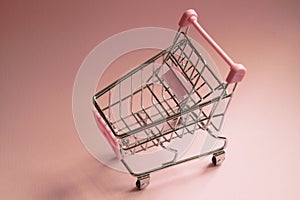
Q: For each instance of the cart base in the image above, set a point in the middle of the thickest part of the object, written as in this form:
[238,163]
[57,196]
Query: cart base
[143,179]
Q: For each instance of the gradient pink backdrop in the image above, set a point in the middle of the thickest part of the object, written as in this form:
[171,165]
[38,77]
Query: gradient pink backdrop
[42,45]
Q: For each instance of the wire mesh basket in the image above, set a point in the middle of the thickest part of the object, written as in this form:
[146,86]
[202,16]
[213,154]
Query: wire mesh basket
[172,96]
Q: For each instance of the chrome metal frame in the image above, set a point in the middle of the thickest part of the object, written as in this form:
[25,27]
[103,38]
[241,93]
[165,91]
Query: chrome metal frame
[199,109]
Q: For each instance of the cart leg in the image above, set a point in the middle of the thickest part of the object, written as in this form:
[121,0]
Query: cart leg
[218,157]
[142,181]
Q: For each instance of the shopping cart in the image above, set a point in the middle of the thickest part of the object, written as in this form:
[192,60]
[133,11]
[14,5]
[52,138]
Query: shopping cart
[172,96]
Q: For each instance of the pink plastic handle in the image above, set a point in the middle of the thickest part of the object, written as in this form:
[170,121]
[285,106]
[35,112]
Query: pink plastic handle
[107,134]
[237,71]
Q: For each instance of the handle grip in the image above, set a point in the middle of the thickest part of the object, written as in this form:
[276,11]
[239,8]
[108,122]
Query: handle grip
[112,140]
[237,71]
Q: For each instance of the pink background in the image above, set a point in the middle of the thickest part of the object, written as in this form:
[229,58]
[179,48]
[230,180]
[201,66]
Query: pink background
[43,44]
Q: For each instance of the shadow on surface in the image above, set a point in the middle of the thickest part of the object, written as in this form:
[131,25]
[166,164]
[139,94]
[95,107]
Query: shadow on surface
[92,180]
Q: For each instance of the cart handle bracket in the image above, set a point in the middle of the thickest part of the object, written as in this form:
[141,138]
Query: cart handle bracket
[237,71]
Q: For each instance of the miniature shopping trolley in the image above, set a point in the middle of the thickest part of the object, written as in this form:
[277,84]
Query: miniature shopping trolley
[148,112]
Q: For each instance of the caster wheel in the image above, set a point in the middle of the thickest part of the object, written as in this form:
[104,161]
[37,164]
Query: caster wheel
[142,182]
[218,157]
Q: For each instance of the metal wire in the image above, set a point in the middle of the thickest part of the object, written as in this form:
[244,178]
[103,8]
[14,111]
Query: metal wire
[155,121]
